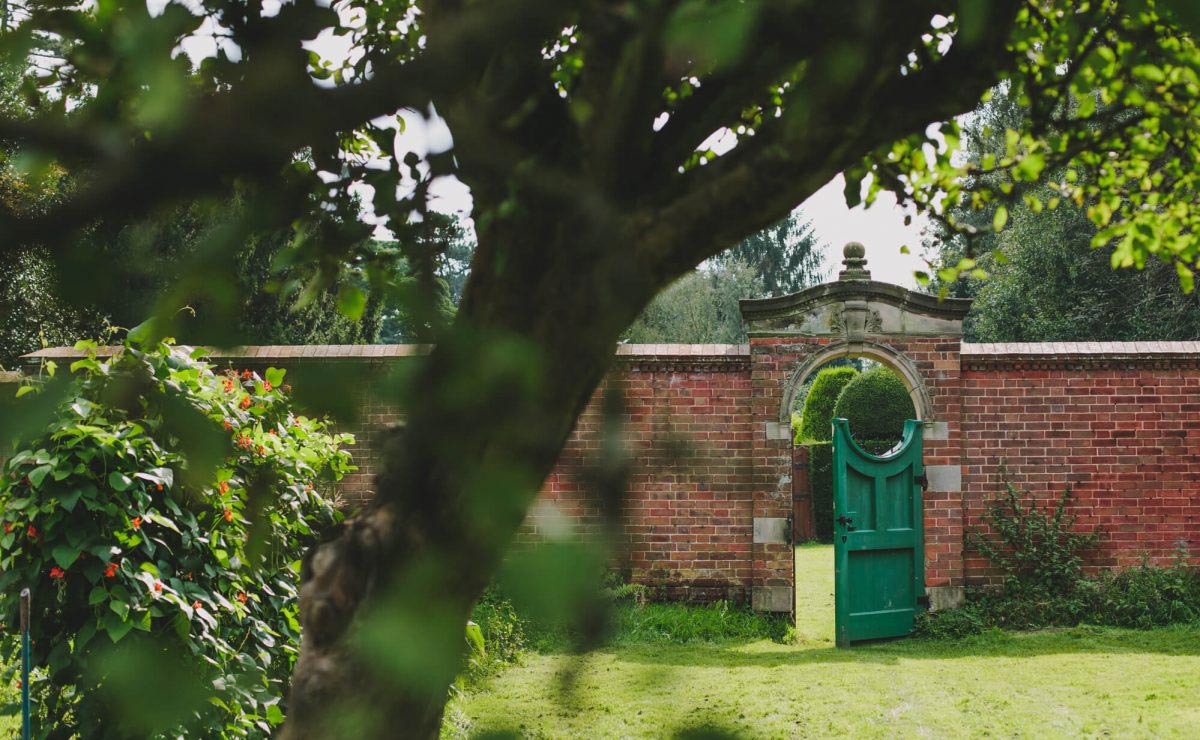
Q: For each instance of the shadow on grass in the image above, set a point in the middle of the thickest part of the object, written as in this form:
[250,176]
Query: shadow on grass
[1183,641]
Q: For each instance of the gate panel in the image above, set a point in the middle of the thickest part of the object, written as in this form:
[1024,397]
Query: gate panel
[879,545]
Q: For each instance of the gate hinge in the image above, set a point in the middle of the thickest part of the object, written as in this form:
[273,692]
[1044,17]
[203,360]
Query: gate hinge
[921,480]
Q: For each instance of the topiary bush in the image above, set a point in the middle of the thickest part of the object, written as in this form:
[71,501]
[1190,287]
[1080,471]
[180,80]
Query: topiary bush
[159,520]
[876,403]
[816,421]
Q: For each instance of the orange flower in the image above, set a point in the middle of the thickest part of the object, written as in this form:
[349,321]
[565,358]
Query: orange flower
[227,425]
[241,596]
[57,573]
[246,375]
[272,433]
[31,531]
[308,487]
[228,515]
[111,570]
[262,450]
[160,486]
[245,402]
[7,527]
[267,385]
[137,522]
[224,486]
[158,587]
[244,441]
[227,384]
[196,605]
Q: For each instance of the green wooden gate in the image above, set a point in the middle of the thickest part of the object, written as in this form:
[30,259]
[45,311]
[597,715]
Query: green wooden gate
[879,540]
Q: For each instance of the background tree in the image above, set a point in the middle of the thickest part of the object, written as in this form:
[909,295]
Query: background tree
[581,129]
[785,256]
[701,307]
[1046,280]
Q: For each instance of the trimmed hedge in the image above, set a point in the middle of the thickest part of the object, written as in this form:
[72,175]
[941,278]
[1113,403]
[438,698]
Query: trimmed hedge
[820,479]
[816,421]
[876,403]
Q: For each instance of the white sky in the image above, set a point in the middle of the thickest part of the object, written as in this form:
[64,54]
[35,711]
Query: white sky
[880,228]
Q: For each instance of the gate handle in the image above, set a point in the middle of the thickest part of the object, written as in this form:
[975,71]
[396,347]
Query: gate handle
[846,521]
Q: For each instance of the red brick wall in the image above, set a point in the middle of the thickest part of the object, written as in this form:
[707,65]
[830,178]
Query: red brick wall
[687,524]
[1118,422]
[1122,431]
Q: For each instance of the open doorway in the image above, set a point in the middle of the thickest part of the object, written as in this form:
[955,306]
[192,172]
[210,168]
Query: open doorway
[877,401]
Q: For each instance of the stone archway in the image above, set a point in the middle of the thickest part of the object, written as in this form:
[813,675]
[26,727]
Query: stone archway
[871,350]
[918,336]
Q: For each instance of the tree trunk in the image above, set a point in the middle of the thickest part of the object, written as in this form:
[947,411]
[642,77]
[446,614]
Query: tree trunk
[384,604]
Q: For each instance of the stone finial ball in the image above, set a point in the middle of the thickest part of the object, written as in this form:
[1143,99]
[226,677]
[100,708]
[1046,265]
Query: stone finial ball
[854,250]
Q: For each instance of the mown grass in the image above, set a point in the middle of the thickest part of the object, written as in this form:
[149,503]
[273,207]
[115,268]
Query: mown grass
[1055,683]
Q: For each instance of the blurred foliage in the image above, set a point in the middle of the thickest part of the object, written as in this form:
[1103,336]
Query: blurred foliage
[876,403]
[159,520]
[1046,281]
[699,308]
[816,420]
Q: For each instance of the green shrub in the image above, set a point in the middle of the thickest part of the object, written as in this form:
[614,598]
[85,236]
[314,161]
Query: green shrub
[502,630]
[876,403]
[1147,596]
[820,481]
[1040,554]
[159,520]
[1038,550]
[816,421]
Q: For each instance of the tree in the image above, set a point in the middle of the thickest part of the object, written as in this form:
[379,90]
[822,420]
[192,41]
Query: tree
[156,266]
[699,308]
[784,255]
[581,129]
[1045,279]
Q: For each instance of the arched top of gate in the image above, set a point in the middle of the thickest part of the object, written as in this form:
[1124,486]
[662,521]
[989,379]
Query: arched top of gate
[881,353]
[854,307]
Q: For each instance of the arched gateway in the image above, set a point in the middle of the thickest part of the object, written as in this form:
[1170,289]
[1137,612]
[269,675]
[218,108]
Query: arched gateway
[916,335]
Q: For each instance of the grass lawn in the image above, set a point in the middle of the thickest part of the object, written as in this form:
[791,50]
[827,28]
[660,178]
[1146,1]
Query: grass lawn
[1057,683]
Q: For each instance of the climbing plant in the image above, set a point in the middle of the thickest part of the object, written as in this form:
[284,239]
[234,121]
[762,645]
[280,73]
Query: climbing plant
[147,557]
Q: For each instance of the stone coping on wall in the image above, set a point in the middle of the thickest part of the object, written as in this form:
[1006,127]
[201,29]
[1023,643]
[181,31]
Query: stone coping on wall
[1046,355]
[637,353]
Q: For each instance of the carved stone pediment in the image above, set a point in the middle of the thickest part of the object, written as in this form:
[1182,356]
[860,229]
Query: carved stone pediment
[854,307]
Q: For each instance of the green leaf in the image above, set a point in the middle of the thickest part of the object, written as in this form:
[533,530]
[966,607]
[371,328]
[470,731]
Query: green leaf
[118,481]
[1187,279]
[65,555]
[68,500]
[38,474]
[1000,218]
[116,627]
[162,520]
[351,301]
[120,608]
[22,390]
[274,376]
[97,595]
